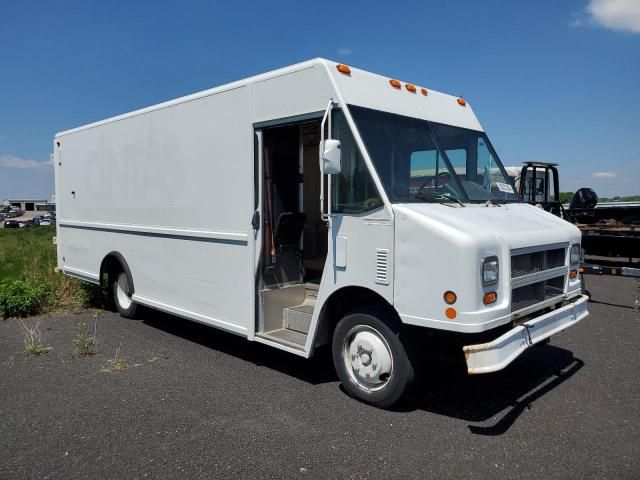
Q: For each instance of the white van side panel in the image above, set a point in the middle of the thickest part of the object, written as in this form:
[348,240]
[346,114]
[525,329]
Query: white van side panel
[171,189]
[159,167]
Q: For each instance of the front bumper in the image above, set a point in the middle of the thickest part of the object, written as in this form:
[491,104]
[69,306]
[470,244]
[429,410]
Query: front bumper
[496,355]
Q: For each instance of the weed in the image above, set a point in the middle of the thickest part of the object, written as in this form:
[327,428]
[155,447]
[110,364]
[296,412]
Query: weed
[116,364]
[85,343]
[90,295]
[20,299]
[33,341]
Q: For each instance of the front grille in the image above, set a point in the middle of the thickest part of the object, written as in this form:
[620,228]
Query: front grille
[528,295]
[531,272]
[527,263]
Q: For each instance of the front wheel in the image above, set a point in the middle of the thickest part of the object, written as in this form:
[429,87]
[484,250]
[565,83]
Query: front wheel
[370,359]
[121,296]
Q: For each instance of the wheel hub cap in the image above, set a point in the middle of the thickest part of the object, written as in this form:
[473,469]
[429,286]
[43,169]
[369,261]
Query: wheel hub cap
[368,358]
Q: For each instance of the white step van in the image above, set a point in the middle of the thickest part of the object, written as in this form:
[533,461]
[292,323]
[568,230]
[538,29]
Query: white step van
[319,204]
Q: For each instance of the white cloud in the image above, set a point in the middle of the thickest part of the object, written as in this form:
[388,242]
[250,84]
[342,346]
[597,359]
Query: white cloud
[345,51]
[12,161]
[604,174]
[623,15]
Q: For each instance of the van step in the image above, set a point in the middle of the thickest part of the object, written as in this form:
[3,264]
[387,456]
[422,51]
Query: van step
[311,290]
[286,337]
[298,318]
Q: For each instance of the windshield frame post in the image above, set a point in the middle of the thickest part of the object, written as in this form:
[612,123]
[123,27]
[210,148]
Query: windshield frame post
[361,145]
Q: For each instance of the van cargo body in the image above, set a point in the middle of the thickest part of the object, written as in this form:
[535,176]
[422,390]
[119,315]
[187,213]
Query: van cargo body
[318,204]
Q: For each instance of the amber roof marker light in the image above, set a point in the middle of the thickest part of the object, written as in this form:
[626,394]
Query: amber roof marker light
[462,102]
[395,83]
[342,68]
[424,91]
[410,87]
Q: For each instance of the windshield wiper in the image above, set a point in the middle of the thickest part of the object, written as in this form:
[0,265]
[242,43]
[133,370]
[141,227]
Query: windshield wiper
[437,197]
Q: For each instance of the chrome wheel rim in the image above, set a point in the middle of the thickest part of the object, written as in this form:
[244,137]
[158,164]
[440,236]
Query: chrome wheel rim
[122,287]
[367,358]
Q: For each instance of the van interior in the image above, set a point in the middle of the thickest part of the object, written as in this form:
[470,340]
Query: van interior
[294,234]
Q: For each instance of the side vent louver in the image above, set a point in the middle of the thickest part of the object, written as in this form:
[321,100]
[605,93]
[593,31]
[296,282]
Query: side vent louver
[382,266]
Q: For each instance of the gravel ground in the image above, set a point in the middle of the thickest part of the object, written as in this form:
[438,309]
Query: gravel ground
[194,402]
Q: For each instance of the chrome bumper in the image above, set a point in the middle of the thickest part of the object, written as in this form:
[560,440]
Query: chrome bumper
[495,355]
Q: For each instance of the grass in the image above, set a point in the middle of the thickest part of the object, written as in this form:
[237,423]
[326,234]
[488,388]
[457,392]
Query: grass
[23,249]
[27,265]
[33,340]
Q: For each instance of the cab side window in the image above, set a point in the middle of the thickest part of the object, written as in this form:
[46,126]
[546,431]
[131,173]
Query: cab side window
[353,190]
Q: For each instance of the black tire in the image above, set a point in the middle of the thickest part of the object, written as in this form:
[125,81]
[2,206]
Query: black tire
[125,309]
[401,376]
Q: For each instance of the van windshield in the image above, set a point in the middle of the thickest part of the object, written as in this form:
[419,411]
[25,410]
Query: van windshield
[420,161]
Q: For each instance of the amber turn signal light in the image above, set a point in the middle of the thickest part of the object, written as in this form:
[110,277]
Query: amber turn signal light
[573,274]
[394,83]
[450,297]
[490,297]
[451,313]
[343,69]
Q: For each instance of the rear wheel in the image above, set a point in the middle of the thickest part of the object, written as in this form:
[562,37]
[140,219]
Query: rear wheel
[122,296]
[370,359]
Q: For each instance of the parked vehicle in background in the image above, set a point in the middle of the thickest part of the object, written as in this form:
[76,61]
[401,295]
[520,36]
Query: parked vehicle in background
[30,223]
[15,212]
[3,215]
[45,222]
[318,205]
[37,219]
[13,224]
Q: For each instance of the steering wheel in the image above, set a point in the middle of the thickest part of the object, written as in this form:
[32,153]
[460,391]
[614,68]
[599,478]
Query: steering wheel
[442,179]
[439,181]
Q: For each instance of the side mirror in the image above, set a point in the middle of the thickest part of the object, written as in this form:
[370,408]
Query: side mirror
[331,157]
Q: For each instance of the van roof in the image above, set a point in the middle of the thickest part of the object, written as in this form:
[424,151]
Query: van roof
[360,87]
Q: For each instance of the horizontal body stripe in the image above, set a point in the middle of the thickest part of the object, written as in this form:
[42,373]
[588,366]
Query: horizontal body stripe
[235,238]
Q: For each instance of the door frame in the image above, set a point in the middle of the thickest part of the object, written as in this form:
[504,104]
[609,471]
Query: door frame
[257,236]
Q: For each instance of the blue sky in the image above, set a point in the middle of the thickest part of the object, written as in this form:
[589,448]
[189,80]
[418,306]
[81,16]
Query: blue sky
[549,81]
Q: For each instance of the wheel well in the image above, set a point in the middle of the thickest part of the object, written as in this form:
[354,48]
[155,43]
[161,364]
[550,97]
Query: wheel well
[345,300]
[112,264]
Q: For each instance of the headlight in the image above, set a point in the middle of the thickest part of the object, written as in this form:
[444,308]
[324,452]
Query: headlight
[575,253]
[490,271]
